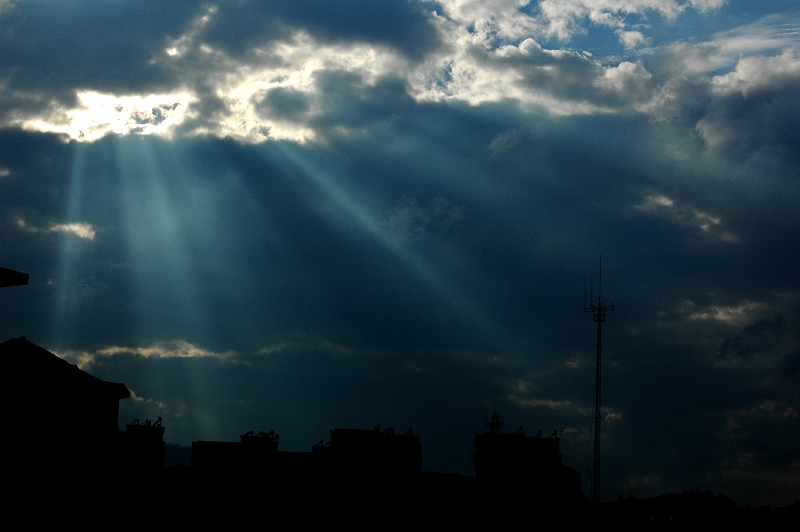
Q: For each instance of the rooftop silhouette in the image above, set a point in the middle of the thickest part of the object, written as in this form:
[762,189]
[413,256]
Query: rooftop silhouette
[63,444]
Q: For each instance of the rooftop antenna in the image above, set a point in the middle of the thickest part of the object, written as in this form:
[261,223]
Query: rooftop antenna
[599,315]
[496,423]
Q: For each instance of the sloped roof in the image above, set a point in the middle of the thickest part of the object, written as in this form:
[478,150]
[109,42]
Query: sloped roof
[12,278]
[26,364]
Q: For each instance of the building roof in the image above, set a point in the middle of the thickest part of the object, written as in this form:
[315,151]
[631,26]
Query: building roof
[27,364]
[12,278]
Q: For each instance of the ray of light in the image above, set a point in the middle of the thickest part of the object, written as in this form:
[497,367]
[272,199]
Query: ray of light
[182,224]
[152,217]
[165,286]
[446,288]
[65,290]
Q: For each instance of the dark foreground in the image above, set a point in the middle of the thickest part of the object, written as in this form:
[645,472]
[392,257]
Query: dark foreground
[177,497]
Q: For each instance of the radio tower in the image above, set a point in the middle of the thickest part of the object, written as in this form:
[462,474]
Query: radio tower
[599,314]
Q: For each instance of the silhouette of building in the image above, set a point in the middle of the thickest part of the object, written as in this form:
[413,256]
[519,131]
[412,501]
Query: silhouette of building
[351,454]
[142,446]
[372,453]
[254,452]
[529,465]
[61,418]
[12,278]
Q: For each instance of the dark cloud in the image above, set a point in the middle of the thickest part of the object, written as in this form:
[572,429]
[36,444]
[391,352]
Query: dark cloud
[399,24]
[753,340]
[790,367]
[287,103]
[51,49]
[346,101]
[757,124]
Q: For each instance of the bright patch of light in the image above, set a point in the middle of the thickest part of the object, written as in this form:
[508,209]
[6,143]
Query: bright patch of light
[184,43]
[81,230]
[173,349]
[245,88]
[99,114]
[85,231]
[657,200]
[82,359]
[754,73]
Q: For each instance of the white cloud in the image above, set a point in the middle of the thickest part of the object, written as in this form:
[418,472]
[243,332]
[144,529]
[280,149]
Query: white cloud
[81,230]
[240,86]
[774,32]
[171,349]
[563,18]
[737,315]
[517,19]
[492,18]
[559,82]
[630,39]
[773,35]
[709,224]
[753,73]
[98,114]
[707,5]
[489,53]
[82,359]
[177,48]
[627,78]
[469,67]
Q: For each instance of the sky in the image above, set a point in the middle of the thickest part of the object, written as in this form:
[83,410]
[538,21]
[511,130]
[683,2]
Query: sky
[300,216]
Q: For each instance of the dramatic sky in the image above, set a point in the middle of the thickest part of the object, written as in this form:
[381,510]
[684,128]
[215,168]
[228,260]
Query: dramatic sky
[304,215]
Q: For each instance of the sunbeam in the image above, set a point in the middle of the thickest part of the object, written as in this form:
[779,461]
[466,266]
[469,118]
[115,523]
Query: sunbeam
[445,288]
[67,297]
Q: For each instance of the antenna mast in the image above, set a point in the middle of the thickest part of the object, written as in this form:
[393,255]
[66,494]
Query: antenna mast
[599,315]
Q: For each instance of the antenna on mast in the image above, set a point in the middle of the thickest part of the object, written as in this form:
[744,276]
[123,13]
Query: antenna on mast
[599,316]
